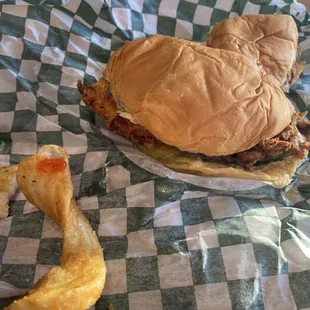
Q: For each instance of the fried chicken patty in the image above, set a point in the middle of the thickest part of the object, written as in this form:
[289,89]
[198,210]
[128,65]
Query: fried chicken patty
[291,141]
[98,98]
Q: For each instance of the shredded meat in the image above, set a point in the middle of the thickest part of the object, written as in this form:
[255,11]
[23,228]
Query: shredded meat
[291,141]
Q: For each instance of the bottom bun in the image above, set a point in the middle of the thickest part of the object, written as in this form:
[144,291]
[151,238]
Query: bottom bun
[278,173]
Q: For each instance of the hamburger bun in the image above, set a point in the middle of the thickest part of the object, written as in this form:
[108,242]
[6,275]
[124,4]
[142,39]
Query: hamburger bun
[196,98]
[271,40]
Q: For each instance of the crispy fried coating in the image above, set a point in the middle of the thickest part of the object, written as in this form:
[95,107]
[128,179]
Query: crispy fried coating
[135,132]
[78,282]
[8,187]
[98,98]
[289,141]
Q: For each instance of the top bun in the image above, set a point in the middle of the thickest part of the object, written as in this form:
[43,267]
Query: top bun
[271,40]
[199,99]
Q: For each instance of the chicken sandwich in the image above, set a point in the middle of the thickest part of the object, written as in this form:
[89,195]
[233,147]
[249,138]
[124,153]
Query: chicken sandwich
[200,110]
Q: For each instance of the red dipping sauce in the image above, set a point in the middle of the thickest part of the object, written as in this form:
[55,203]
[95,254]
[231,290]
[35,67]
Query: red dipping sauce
[52,165]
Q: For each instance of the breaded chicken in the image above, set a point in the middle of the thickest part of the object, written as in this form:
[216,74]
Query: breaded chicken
[98,98]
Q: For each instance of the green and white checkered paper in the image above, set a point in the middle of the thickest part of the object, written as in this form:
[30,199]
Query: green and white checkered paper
[171,241]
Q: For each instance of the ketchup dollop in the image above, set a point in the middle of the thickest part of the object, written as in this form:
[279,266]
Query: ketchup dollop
[52,165]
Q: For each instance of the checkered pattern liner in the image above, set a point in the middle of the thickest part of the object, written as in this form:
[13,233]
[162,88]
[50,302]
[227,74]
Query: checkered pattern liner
[169,244]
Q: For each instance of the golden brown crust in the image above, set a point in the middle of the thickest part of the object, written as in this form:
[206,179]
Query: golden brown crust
[8,187]
[135,132]
[98,98]
[199,99]
[78,282]
[269,39]
[278,173]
